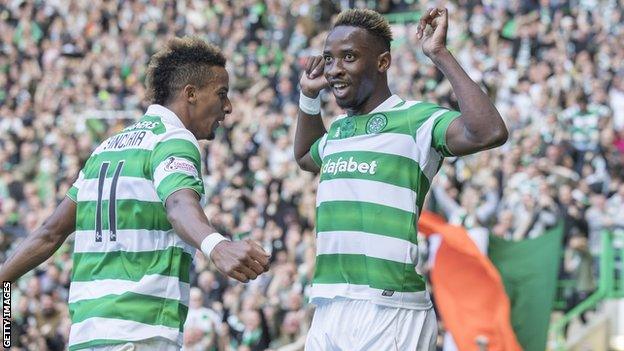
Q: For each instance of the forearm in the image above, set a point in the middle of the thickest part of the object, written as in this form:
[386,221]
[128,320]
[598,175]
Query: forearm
[34,250]
[188,219]
[309,129]
[448,205]
[242,260]
[42,243]
[488,208]
[481,120]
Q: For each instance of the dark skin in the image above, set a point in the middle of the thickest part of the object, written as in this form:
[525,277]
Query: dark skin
[356,72]
[200,109]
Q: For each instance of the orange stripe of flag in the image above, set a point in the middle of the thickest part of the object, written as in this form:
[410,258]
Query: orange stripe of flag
[468,289]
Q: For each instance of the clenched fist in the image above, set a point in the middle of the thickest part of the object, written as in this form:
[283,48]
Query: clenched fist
[241,260]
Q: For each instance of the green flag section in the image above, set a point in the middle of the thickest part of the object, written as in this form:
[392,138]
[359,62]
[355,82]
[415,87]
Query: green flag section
[529,270]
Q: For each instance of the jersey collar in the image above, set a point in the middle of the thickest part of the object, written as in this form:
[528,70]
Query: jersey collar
[166,114]
[390,102]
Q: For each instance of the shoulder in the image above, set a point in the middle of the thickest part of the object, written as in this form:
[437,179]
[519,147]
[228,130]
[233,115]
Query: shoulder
[419,112]
[174,134]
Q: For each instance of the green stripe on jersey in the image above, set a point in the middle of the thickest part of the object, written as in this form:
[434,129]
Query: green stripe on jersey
[152,123]
[72,193]
[363,270]
[401,121]
[173,262]
[132,214]
[439,132]
[135,163]
[366,217]
[391,169]
[175,147]
[132,307]
[314,152]
[177,181]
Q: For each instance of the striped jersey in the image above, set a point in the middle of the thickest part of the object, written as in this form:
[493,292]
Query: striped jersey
[130,278]
[375,172]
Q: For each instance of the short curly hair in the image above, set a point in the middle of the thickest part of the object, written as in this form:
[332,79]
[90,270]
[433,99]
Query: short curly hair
[182,61]
[370,20]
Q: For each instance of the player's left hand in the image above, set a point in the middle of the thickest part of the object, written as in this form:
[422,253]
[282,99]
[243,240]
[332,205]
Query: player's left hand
[434,39]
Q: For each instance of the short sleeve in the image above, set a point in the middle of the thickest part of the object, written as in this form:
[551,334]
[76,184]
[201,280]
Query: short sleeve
[175,164]
[317,149]
[440,127]
[72,193]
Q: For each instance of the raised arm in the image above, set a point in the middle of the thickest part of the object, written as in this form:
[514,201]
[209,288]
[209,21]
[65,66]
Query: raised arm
[42,243]
[241,260]
[480,126]
[309,124]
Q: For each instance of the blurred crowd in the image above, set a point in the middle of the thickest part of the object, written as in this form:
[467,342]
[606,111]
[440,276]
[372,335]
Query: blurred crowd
[72,73]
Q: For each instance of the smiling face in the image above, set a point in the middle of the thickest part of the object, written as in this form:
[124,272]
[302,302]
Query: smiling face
[355,67]
[211,105]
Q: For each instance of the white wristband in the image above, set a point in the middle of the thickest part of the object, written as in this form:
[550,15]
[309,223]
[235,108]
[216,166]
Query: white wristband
[209,243]
[309,105]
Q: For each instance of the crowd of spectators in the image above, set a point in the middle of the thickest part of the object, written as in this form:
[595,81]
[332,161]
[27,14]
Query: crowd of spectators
[72,73]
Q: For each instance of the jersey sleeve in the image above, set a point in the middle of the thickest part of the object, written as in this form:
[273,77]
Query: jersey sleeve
[72,193]
[433,122]
[440,127]
[316,151]
[175,164]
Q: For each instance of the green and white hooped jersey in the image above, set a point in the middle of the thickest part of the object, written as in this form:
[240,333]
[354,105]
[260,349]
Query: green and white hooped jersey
[375,172]
[130,278]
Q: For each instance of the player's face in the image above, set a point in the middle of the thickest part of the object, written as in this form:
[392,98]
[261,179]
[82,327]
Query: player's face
[212,104]
[350,65]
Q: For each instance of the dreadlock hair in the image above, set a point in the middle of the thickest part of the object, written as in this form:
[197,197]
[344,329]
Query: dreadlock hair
[182,61]
[370,20]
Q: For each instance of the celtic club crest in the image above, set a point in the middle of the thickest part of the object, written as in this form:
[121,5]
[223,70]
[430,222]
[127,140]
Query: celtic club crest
[376,123]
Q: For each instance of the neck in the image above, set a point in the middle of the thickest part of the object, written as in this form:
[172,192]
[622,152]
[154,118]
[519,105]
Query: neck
[180,111]
[378,97]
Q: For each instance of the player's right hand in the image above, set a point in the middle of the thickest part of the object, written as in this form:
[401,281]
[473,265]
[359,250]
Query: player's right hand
[313,80]
[242,260]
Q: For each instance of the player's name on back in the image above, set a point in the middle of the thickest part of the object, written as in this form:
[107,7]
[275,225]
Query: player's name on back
[123,140]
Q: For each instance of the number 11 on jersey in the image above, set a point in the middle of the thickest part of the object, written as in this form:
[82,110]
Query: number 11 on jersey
[112,199]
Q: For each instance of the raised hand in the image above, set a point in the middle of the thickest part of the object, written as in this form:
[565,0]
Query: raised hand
[433,40]
[313,80]
[242,260]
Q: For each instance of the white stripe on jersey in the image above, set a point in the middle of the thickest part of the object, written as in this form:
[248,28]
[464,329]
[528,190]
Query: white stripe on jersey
[119,329]
[390,143]
[363,190]
[130,240]
[128,188]
[362,243]
[154,285]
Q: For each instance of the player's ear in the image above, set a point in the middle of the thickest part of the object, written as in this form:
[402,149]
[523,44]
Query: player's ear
[383,61]
[190,93]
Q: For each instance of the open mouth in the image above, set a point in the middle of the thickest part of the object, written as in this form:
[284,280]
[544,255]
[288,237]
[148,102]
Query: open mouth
[340,89]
